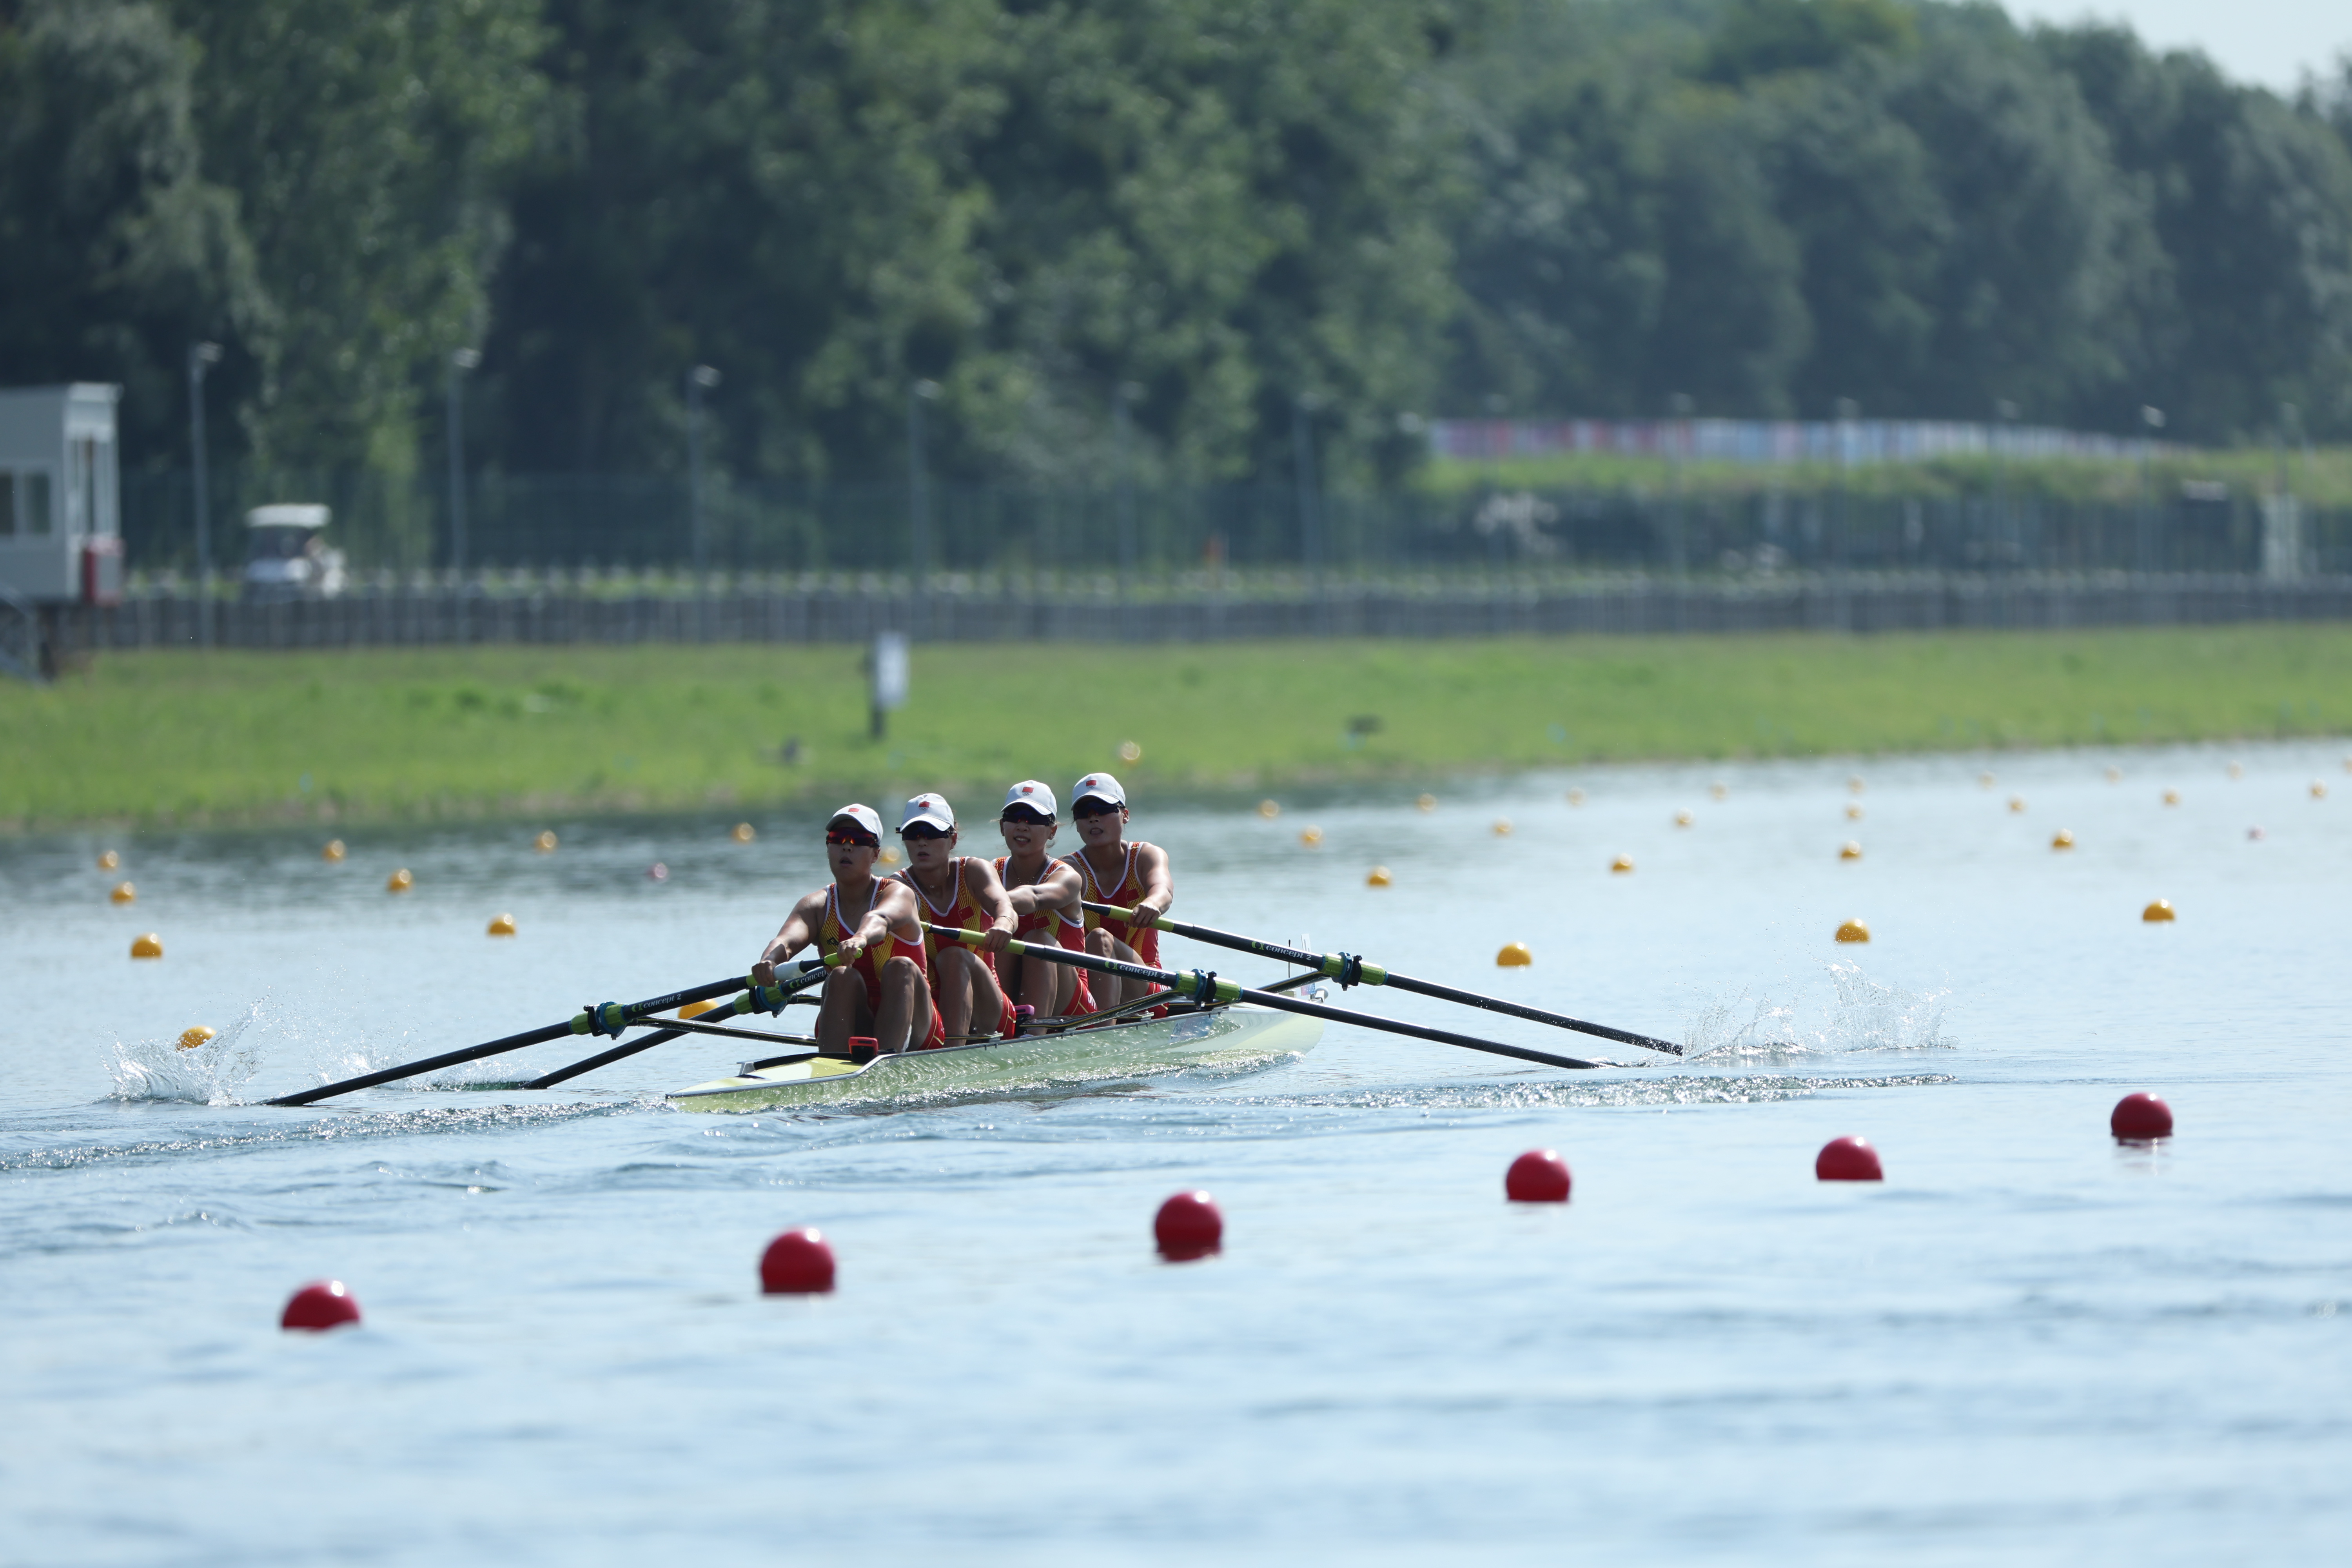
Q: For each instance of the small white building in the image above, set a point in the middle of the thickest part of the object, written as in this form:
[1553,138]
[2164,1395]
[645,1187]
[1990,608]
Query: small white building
[61,494]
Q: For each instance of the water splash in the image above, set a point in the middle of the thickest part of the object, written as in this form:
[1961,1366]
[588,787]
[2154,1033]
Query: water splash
[159,1071]
[1862,1015]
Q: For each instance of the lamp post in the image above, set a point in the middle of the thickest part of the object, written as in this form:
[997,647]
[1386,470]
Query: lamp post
[2005,413]
[200,358]
[2153,418]
[1678,412]
[919,500]
[460,362]
[699,380]
[1122,435]
[1302,451]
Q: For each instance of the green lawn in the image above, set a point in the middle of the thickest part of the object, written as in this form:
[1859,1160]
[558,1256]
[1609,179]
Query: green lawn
[181,738]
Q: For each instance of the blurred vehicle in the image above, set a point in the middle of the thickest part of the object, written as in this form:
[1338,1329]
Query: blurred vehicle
[286,555]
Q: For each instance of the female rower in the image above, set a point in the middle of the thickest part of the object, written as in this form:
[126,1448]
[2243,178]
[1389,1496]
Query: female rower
[956,893]
[879,991]
[1044,894]
[1132,875]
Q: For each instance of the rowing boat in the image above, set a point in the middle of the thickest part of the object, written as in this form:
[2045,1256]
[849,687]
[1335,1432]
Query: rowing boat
[1228,1036]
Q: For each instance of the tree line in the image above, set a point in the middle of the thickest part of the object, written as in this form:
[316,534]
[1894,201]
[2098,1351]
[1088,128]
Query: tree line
[1192,232]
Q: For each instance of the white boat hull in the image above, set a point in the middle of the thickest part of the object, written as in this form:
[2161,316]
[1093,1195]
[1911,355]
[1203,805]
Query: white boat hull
[1238,1035]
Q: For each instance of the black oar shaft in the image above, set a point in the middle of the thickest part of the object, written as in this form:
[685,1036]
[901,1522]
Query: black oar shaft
[1227,991]
[1331,966]
[580,1024]
[668,1032]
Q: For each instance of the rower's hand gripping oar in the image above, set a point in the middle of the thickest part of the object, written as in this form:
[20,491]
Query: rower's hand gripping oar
[1204,987]
[609,1018]
[1350,970]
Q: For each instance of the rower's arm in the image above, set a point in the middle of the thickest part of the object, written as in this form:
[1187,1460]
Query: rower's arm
[1159,884]
[894,909]
[988,891]
[799,929]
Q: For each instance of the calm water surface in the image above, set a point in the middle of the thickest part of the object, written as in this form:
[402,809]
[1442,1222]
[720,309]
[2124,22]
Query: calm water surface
[2028,1342]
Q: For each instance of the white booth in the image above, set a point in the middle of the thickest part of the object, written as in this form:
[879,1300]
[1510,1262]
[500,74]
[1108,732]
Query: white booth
[61,494]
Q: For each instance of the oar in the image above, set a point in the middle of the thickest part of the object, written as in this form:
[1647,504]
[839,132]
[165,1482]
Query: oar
[1350,970]
[610,1018]
[1204,987]
[758,999]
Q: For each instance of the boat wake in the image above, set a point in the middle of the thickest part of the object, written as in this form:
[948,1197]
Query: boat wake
[1862,1015]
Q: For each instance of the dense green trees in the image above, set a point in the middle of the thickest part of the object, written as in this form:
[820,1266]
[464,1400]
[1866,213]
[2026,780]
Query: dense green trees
[1235,213]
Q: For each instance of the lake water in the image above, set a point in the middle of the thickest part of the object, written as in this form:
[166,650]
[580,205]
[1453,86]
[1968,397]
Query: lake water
[2029,1344]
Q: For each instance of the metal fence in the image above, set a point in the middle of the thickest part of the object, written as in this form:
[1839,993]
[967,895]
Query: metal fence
[571,520]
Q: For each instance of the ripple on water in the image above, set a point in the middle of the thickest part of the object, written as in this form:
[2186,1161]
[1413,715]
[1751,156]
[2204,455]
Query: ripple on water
[340,1127]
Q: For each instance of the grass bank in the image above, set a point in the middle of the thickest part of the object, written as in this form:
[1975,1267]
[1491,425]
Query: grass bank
[186,738]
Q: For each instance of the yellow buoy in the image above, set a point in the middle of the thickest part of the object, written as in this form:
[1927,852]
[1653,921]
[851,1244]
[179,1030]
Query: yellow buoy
[1268,809]
[400,881]
[744,833]
[1379,878]
[1129,752]
[2062,839]
[545,842]
[696,1009]
[502,925]
[1854,811]
[2158,913]
[1855,783]
[1426,803]
[1683,819]
[1310,837]
[1576,797]
[2237,770]
[1622,863]
[1502,827]
[124,893]
[1514,955]
[1853,931]
[1718,791]
[1853,850]
[333,850]
[109,860]
[889,855]
[1985,780]
[2318,792]
[2173,797]
[147,946]
[191,1039]
[2115,775]
[2347,768]
[2017,803]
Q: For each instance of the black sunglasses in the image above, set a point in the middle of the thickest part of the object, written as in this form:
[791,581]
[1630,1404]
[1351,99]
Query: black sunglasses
[922,830]
[866,840]
[1094,808]
[1027,813]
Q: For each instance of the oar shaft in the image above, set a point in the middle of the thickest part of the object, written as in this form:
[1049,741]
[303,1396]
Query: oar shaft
[671,1031]
[1331,966]
[1227,991]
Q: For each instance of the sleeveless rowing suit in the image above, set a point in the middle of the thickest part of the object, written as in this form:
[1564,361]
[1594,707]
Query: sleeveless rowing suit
[1069,930]
[961,913]
[868,967]
[1143,940]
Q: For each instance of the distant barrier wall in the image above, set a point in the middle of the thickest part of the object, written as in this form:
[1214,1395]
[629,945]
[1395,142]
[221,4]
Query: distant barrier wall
[1852,603]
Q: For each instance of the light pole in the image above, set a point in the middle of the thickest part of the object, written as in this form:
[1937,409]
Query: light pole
[2005,413]
[918,500]
[1848,411]
[1678,411]
[699,380]
[460,362]
[2153,418]
[1302,451]
[1122,437]
[201,357]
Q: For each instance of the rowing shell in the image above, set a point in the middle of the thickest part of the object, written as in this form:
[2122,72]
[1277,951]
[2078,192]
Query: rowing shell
[1220,1037]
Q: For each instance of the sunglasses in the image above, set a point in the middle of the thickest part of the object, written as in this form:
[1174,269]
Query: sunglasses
[864,840]
[1027,816]
[921,832]
[1094,808]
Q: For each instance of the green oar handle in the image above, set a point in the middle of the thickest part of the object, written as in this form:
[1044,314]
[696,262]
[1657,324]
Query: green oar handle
[1335,966]
[1208,989]
[579,1024]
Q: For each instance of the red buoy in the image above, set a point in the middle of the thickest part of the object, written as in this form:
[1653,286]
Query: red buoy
[319,1305]
[1848,1160]
[2140,1117]
[1537,1176]
[797,1263]
[1187,1226]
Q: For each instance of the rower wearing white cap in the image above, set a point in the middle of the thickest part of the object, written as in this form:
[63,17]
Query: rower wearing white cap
[1044,894]
[1134,876]
[956,893]
[881,993]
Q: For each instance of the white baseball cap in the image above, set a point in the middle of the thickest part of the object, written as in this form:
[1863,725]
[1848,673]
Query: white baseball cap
[1098,786]
[861,814]
[1034,794]
[931,808]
